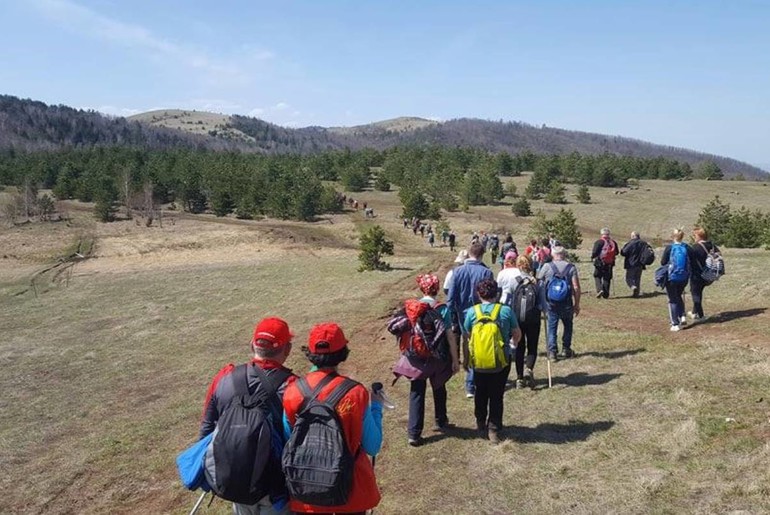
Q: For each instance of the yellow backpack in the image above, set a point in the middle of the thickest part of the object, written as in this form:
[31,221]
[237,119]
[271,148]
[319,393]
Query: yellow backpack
[486,342]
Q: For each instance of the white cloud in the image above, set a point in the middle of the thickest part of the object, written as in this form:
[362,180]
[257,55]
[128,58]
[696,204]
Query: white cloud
[281,106]
[256,112]
[216,70]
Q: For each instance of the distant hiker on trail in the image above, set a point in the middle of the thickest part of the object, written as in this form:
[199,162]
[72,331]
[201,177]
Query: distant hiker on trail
[415,225]
[506,278]
[431,238]
[452,240]
[678,257]
[474,238]
[462,294]
[707,267]
[560,292]
[508,246]
[444,237]
[484,239]
[332,429]
[638,254]
[494,247]
[552,241]
[364,206]
[603,256]
[429,351]
[406,223]
[265,378]
[531,253]
[422,230]
[493,334]
[543,254]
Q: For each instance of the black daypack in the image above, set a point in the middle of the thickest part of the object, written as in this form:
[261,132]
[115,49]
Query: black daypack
[316,460]
[525,300]
[239,453]
[647,256]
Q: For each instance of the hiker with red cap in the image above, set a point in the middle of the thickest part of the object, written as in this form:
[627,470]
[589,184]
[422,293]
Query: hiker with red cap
[332,427]
[429,351]
[262,376]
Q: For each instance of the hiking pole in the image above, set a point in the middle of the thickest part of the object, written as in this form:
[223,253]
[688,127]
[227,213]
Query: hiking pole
[198,504]
[547,359]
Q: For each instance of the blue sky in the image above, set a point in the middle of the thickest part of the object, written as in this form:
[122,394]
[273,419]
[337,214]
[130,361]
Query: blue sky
[692,74]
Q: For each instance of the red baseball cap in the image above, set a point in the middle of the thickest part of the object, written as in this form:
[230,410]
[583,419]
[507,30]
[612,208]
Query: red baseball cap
[272,330]
[326,339]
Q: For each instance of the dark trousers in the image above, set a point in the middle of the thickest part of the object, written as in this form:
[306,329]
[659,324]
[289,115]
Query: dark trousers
[602,279]
[417,406]
[675,292]
[634,278]
[489,398]
[696,289]
[530,334]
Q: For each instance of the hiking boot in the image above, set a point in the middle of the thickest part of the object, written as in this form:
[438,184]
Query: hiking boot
[482,429]
[519,384]
[415,441]
[674,328]
[493,436]
[566,354]
[599,294]
[634,292]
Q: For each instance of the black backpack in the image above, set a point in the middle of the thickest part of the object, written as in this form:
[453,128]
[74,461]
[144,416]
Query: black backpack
[316,460]
[648,255]
[525,301]
[237,459]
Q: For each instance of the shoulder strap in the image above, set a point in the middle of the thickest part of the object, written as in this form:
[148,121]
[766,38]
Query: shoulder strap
[477,311]
[553,268]
[495,311]
[271,385]
[241,379]
[307,394]
[340,391]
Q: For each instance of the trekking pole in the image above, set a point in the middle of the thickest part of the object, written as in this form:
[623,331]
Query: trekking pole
[547,360]
[198,504]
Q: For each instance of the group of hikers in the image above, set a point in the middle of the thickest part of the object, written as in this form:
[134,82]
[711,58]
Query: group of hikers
[273,442]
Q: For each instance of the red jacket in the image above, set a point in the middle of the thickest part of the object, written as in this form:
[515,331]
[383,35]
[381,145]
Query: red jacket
[364,493]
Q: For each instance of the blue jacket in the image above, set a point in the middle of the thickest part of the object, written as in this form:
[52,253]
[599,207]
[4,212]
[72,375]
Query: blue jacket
[462,291]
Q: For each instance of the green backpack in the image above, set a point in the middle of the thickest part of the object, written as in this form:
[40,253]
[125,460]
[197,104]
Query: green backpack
[486,342]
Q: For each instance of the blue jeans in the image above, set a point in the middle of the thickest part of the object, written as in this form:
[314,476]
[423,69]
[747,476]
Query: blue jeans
[675,292]
[554,314]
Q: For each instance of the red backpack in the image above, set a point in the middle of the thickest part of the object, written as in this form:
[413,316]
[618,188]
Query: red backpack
[609,251]
[420,330]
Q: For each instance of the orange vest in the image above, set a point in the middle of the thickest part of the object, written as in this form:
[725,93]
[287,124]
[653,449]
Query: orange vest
[364,493]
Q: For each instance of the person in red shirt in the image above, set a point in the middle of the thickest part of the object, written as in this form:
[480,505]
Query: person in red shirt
[361,421]
[271,345]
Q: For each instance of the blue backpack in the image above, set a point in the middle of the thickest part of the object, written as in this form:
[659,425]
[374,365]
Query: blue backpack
[558,289]
[678,264]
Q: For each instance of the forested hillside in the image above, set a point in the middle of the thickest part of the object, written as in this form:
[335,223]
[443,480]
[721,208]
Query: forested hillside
[30,125]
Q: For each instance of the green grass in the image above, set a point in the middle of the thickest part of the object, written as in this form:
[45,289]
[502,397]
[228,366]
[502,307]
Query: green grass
[103,380]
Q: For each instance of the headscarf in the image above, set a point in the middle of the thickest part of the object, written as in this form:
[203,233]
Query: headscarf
[428,283]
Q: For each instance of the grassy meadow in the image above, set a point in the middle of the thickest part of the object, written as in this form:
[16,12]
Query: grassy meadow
[104,374]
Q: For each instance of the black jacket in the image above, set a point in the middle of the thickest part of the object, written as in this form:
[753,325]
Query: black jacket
[632,252]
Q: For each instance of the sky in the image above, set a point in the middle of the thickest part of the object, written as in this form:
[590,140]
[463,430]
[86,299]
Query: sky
[692,74]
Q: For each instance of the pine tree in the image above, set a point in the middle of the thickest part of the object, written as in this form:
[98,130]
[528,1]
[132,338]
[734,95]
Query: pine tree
[714,218]
[382,183]
[521,207]
[564,227]
[373,246]
[583,196]
[555,194]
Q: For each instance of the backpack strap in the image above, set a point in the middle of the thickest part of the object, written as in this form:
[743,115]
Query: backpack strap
[340,391]
[308,394]
[553,268]
[495,311]
[241,379]
[477,311]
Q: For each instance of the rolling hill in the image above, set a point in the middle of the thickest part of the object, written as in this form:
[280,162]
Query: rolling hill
[32,125]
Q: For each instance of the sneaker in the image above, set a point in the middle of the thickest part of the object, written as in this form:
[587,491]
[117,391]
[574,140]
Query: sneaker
[599,295]
[683,320]
[443,426]
[674,328]
[566,354]
[415,442]
[520,384]
[529,378]
[634,292]
[469,395]
[493,436]
[551,356]
[482,429]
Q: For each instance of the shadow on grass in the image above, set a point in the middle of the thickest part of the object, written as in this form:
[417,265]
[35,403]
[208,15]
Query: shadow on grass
[573,431]
[405,268]
[584,379]
[728,316]
[463,433]
[650,294]
[613,354]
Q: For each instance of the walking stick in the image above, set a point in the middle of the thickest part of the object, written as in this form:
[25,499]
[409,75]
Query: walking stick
[198,504]
[547,360]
